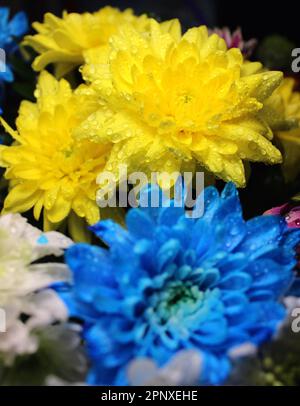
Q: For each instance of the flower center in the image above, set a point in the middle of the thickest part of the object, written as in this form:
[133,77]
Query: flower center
[177,298]
[68,152]
[186,98]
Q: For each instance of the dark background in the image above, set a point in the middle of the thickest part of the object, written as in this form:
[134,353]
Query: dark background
[257,18]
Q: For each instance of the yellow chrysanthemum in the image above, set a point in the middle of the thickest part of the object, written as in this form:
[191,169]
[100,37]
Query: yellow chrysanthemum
[167,99]
[63,41]
[46,168]
[287,104]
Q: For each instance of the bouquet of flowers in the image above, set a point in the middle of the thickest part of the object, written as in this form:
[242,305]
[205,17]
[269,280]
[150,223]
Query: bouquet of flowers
[103,283]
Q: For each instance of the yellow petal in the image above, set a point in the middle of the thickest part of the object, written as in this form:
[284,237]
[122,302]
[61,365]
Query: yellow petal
[59,210]
[226,168]
[251,144]
[38,207]
[261,85]
[78,229]
[9,130]
[291,147]
[21,198]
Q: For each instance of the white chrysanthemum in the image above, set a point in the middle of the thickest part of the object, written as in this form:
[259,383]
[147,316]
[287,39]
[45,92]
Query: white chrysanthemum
[42,345]
[21,246]
[23,281]
[22,336]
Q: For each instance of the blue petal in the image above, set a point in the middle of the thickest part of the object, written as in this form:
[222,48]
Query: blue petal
[110,232]
[230,232]
[229,191]
[167,253]
[234,302]
[7,75]
[211,202]
[203,237]
[236,281]
[19,24]
[215,370]
[139,224]
[99,375]
[267,274]
[102,345]
[169,216]
[295,288]
[211,333]
[261,233]
[91,269]
[152,199]
[233,262]
[4,15]
[269,315]
[229,204]
[291,239]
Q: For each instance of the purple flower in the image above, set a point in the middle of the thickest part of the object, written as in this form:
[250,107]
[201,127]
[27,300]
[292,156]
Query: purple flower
[235,40]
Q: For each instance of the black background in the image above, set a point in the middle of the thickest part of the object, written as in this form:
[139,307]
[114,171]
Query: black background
[92,394]
[257,18]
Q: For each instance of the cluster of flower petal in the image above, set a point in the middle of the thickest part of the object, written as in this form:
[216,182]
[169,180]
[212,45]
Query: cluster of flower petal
[22,282]
[170,282]
[64,41]
[9,32]
[286,102]
[47,169]
[168,100]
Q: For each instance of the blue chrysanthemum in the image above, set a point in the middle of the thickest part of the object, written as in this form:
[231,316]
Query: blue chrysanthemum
[10,30]
[169,282]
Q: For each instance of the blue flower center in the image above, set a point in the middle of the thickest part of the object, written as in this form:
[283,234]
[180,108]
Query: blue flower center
[176,299]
